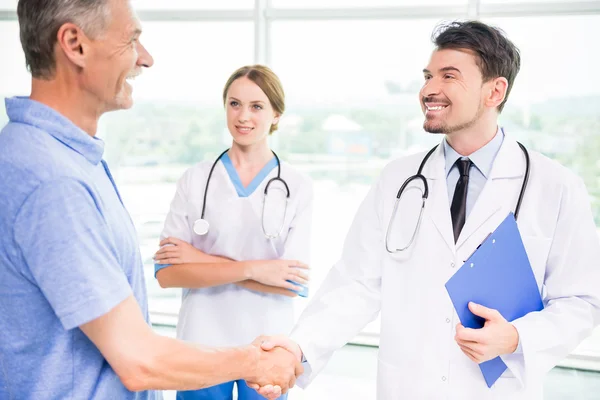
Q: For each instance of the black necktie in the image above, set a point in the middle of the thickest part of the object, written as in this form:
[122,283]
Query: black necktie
[458,209]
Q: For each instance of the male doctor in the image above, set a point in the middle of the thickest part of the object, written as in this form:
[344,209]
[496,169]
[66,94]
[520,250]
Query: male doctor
[474,177]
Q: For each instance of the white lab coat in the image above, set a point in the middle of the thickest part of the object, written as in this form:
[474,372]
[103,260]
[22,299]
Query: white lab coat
[229,315]
[418,357]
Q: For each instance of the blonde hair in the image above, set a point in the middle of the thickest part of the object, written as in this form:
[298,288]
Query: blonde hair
[267,81]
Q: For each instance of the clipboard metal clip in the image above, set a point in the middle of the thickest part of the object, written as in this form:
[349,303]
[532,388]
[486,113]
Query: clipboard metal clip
[477,248]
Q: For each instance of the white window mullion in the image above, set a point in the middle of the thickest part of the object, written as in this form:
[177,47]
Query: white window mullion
[473,9]
[261,33]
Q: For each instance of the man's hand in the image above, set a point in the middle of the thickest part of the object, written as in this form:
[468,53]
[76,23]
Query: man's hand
[275,372]
[496,338]
[176,251]
[269,343]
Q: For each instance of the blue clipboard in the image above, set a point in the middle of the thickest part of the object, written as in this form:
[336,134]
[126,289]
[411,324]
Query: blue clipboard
[497,275]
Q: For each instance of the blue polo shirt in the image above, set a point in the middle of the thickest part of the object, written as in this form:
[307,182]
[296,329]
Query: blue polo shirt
[68,254]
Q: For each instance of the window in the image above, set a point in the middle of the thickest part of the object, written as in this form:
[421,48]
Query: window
[520,2]
[331,4]
[351,82]
[8,4]
[555,101]
[177,120]
[554,105]
[14,78]
[353,105]
[191,4]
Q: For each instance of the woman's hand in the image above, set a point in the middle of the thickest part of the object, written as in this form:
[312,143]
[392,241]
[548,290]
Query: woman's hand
[175,251]
[278,273]
[260,288]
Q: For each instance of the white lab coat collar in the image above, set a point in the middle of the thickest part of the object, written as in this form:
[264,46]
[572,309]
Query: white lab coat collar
[509,164]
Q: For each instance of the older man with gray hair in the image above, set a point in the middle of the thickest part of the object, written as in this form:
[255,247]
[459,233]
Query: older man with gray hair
[73,305]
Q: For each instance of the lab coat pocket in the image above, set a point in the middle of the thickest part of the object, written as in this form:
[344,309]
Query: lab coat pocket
[538,249]
[507,387]
[389,378]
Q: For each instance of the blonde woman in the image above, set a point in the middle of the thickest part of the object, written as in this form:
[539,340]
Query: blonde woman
[237,236]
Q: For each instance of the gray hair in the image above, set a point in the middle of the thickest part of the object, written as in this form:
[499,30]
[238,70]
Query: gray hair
[40,20]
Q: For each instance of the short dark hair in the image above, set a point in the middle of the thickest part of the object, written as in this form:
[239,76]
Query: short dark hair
[496,55]
[40,20]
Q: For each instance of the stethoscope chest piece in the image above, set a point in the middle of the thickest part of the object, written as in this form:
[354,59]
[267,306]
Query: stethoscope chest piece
[201,227]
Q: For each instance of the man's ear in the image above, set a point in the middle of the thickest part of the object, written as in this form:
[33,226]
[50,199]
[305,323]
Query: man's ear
[497,92]
[73,43]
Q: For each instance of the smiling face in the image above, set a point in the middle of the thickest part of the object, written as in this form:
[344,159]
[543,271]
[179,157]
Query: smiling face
[249,112]
[116,57]
[452,97]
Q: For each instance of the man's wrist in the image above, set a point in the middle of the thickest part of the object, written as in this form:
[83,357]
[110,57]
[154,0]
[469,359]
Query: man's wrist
[250,358]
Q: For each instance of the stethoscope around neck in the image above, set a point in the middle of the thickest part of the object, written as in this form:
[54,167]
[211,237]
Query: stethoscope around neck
[419,176]
[202,226]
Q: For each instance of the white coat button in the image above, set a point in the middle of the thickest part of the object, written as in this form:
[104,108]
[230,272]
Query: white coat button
[452,265]
[447,320]
[444,378]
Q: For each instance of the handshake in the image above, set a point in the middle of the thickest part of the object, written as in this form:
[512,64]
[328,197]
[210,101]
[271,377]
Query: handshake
[277,367]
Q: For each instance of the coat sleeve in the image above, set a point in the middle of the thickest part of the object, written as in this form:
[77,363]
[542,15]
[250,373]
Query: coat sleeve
[350,296]
[572,301]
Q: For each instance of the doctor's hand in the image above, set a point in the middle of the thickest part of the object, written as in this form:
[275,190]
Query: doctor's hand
[496,338]
[275,372]
[277,273]
[268,343]
[176,251]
